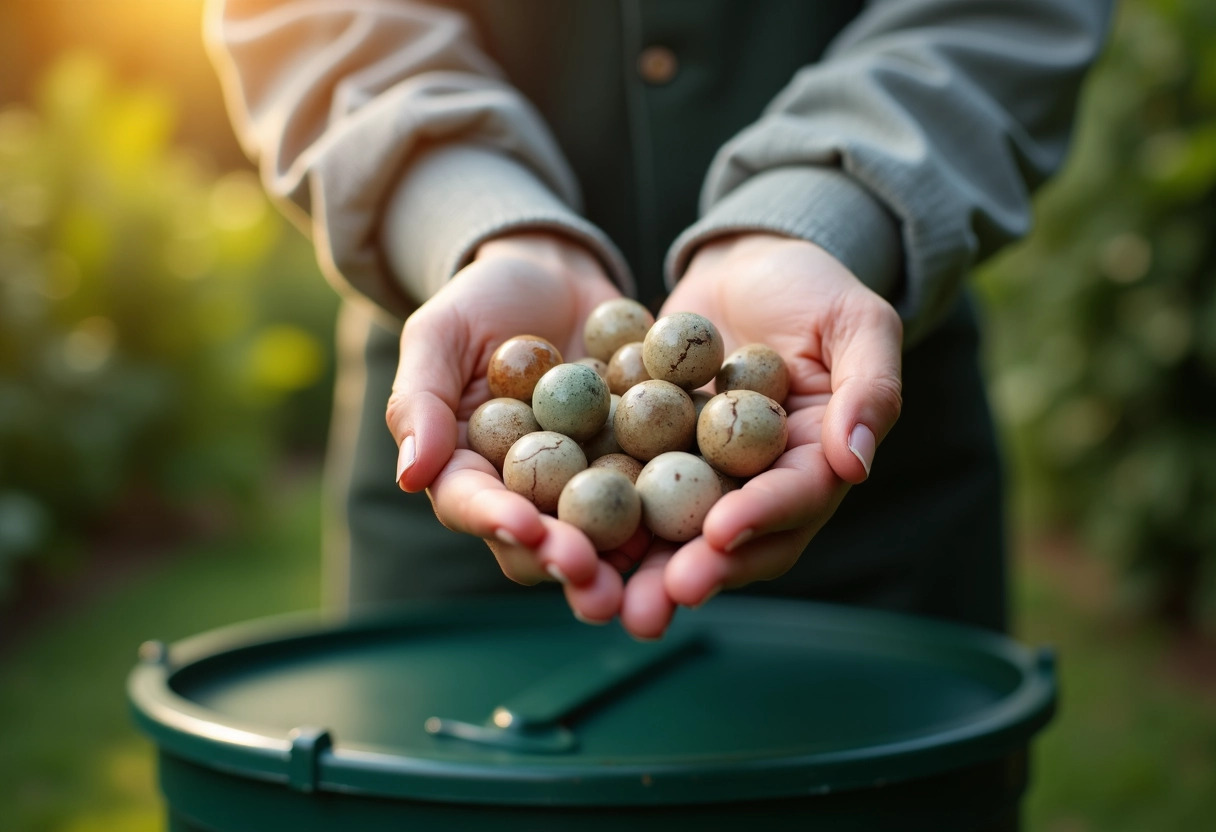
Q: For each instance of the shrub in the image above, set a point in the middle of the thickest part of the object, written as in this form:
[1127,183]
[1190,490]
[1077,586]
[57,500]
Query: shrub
[1103,328]
[160,328]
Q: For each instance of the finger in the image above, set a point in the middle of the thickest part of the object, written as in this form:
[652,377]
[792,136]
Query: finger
[567,555]
[805,423]
[646,609]
[421,413]
[698,571]
[518,563]
[468,497]
[599,600]
[801,489]
[864,346]
[564,555]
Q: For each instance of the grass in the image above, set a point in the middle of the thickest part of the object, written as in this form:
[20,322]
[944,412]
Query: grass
[1133,747]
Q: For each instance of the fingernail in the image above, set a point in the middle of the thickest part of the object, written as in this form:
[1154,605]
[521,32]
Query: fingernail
[741,538]
[708,597]
[861,443]
[506,537]
[406,457]
[594,622]
[557,575]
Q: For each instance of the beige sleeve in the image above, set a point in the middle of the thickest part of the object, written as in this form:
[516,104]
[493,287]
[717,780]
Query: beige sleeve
[912,149]
[382,127]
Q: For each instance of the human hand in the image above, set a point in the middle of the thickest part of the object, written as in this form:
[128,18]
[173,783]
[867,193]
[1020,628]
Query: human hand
[842,344]
[535,283]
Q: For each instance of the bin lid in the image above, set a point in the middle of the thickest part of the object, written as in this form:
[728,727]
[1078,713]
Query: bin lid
[511,701]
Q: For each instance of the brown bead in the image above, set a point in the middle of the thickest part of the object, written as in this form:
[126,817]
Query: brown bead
[654,417]
[683,348]
[626,368]
[603,504]
[496,425]
[613,324]
[518,364]
[539,465]
[622,462]
[742,432]
[755,367]
[604,442]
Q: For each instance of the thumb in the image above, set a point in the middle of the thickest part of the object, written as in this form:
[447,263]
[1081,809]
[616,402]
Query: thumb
[430,379]
[866,351]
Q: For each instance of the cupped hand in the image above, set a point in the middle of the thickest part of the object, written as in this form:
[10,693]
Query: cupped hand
[842,344]
[533,283]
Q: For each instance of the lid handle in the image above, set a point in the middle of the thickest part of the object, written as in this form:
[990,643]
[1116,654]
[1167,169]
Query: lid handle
[530,720]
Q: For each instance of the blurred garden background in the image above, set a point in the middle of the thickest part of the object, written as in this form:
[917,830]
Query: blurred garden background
[165,372]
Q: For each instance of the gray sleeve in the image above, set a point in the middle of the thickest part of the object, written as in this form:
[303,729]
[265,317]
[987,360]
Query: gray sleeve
[911,150]
[388,134]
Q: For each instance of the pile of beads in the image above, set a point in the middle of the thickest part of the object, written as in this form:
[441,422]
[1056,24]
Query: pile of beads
[625,437]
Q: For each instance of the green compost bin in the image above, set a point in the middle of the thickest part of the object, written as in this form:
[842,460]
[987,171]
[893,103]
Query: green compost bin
[507,714]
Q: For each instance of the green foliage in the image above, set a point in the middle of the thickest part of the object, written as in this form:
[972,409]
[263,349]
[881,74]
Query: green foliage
[72,759]
[159,327]
[1130,748]
[1103,328]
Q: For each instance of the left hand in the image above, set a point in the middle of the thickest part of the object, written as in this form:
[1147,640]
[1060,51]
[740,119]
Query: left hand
[522,282]
[842,344]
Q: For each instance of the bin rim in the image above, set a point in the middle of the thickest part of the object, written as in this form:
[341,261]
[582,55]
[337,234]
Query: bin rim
[308,758]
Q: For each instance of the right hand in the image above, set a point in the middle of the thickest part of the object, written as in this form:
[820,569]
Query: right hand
[530,283]
[842,344]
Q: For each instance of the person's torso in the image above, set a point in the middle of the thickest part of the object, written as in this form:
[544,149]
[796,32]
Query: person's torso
[640,94]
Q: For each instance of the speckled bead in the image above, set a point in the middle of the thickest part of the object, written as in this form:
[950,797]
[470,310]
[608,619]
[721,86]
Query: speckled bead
[677,491]
[683,348]
[539,465]
[622,462]
[699,399]
[654,417]
[573,400]
[496,425]
[604,442]
[626,368]
[603,504]
[741,433]
[614,323]
[756,367]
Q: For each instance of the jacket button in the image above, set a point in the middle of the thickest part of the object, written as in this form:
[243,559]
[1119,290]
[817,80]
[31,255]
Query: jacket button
[657,65]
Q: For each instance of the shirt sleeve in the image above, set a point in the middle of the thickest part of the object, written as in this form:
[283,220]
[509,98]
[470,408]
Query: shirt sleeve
[383,129]
[911,150]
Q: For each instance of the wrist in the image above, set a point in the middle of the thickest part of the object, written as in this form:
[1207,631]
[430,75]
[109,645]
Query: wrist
[717,252]
[543,248]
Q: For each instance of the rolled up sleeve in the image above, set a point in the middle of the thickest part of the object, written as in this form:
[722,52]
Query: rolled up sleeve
[392,138]
[911,151]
